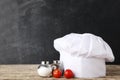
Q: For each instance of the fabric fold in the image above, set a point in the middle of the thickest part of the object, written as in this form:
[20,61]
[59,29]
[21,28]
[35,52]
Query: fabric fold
[85,45]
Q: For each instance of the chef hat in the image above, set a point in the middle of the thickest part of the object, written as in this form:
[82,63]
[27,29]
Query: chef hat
[84,45]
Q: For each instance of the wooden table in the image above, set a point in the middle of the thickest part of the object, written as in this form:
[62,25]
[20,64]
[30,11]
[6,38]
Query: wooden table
[29,72]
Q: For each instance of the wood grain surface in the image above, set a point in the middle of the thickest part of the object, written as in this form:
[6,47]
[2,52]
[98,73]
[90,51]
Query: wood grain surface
[29,72]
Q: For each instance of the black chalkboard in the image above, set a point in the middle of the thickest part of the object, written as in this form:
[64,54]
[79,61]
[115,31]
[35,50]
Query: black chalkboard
[28,27]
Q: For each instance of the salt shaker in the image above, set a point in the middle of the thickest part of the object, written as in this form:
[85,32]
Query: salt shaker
[45,69]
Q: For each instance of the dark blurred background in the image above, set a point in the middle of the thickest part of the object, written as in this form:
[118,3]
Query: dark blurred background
[28,27]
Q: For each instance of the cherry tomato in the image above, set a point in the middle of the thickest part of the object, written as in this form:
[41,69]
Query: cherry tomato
[68,73]
[57,73]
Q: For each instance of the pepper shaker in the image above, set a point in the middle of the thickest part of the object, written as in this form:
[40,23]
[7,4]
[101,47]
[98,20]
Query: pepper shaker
[57,64]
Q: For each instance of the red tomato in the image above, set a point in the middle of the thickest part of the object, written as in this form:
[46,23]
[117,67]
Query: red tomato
[57,73]
[68,73]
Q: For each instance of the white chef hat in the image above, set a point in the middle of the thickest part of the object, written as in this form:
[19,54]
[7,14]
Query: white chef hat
[84,45]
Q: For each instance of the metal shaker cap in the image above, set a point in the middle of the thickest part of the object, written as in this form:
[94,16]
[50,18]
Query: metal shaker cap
[42,62]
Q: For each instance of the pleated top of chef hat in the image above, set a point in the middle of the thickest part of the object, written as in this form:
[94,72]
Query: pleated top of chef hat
[84,45]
